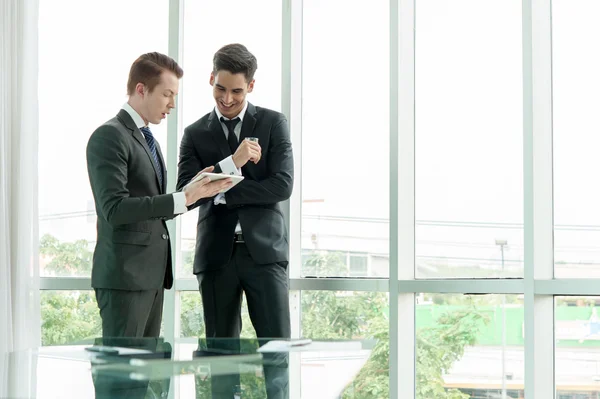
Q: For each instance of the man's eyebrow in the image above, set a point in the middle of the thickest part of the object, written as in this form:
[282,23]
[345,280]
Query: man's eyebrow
[223,87]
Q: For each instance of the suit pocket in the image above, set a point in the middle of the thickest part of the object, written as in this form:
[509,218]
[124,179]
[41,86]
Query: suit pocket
[131,237]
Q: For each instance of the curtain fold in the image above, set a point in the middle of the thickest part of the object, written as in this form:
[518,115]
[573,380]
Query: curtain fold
[19,264]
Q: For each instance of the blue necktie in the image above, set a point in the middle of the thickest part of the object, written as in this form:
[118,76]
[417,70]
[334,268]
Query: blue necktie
[152,144]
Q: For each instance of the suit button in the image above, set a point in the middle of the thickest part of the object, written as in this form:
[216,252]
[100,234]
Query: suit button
[164,236]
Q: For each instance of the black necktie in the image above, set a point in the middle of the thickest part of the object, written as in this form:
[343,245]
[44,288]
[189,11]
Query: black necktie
[231,137]
[150,140]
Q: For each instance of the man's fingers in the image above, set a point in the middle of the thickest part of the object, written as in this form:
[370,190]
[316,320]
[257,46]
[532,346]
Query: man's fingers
[255,156]
[204,181]
[218,186]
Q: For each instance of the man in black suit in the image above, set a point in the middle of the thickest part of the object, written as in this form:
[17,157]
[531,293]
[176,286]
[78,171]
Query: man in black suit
[241,244]
[132,259]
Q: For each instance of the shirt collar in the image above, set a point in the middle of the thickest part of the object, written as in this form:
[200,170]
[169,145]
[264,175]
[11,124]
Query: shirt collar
[137,119]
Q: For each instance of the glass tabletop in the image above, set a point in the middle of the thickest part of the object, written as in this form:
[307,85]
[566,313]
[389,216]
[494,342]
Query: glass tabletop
[186,368]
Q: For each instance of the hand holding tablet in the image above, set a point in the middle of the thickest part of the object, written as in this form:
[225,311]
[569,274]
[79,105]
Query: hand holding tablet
[235,179]
[207,184]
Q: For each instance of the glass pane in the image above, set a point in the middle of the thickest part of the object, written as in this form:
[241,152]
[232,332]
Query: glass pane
[346,315]
[468,140]
[204,33]
[69,316]
[359,265]
[345,69]
[192,316]
[466,344]
[74,51]
[577,353]
[576,84]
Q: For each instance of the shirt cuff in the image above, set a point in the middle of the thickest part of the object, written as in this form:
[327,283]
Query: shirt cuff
[220,199]
[228,167]
[179,203]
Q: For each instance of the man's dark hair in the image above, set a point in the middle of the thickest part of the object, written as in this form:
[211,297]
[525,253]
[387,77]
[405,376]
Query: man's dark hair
[235,58]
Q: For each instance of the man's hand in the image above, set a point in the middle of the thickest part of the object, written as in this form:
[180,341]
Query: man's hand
[204,188]
[247,151]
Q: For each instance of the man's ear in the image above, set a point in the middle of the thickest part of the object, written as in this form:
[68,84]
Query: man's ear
[140,89]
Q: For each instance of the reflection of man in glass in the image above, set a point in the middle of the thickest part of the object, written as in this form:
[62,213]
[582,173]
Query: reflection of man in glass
[112,384]
[241,244]
[250,383]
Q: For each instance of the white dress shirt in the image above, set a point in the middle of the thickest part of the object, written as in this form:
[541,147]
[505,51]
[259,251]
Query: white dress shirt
[227,165]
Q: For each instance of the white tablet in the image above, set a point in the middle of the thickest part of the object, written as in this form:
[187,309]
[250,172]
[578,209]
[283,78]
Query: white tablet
[235,179]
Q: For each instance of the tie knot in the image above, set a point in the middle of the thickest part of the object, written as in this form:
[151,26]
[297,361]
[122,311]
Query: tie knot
[230,123]
[146,131]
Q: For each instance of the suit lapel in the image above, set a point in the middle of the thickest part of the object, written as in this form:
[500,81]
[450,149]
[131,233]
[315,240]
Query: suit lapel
[125,118]
[248,123]
[216,130]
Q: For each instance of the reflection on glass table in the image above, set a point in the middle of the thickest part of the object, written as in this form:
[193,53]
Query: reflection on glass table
[192,367]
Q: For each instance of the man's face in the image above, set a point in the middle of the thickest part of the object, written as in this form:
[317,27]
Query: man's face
[159,103]
[230,92]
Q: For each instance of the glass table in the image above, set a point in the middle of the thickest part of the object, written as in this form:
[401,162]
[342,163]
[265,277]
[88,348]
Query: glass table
[188,368]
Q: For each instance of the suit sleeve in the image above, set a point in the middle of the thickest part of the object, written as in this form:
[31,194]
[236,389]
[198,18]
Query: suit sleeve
[107,162]
[278,185]
[190,164]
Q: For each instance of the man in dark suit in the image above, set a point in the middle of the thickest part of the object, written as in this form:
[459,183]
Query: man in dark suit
[241,244]
[132,259]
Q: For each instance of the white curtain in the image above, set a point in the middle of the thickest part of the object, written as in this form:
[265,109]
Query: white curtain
[19,269]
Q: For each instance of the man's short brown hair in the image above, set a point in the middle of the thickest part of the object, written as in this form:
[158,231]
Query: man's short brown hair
[148,68]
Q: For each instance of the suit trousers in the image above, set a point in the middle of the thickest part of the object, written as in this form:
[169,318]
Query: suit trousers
[267,294]
[130,313]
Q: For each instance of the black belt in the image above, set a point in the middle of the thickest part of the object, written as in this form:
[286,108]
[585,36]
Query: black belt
[238,238]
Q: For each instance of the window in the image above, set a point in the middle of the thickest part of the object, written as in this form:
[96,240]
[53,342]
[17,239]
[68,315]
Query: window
[345,128]
[69,316]
[80,56]
[576,83]
[469,344]
[468,140]
[346,315]
[475,190]
[577,337]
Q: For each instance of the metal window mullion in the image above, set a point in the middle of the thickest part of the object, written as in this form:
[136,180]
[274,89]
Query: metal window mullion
[538,214]
[65,283]
[402,199]
[171,311]
[574,287]
[291,105]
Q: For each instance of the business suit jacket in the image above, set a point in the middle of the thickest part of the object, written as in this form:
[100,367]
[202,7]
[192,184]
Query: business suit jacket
[254,201]
[133,250]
